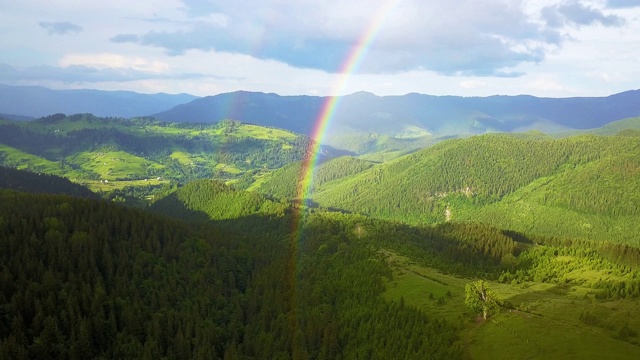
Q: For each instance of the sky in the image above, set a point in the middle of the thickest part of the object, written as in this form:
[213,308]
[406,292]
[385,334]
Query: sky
[439,47]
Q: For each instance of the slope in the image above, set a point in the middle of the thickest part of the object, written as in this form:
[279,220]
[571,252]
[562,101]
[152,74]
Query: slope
[210,199]
[548,287]
[283,183]
[586,181]
[26,181]
[85,279]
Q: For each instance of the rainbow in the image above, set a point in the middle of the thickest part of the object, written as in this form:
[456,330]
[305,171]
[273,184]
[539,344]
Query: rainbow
[322,123]
[351,63]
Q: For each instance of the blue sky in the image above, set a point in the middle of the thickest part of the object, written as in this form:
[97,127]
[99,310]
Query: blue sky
[440,47]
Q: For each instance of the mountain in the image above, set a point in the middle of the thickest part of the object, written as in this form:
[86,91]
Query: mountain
[585,186]
[15,117]
[87,279]
[628,125]
[413,115]
[294,113]
[36,101]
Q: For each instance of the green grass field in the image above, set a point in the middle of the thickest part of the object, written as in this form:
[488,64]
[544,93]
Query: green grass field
[544,324]
[22,160]
[260,179]
[264,133]
[25,161]
[187,159]
[228,169]
[115,165]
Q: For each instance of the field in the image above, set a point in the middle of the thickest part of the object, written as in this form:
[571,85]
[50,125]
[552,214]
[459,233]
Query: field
[117,165]
[111,154]
[25,161]
[546,321]
[187,159]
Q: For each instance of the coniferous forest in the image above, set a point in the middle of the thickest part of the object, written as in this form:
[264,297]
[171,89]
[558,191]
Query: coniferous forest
[84,278]
[185,250]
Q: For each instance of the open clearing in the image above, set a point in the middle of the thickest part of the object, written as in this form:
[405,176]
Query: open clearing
[544,324]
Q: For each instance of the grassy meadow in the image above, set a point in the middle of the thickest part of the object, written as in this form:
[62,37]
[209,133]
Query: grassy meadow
[543,321]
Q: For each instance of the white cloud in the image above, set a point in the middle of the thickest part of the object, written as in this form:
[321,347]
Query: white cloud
[477,38]
[105,60]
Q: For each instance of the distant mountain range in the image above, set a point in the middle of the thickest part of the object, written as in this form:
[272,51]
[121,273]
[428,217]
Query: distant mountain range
[362,122]
[36,101]
[412,115]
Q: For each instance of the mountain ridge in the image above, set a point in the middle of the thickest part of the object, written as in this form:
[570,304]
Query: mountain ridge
[38,101]
[411,115]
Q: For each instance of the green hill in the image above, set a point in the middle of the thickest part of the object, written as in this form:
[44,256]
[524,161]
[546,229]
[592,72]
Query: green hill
[283,183]
[84,279]
[551,284]
[267,281]
[485,178]
[211,199]
[109,154]
[366,143]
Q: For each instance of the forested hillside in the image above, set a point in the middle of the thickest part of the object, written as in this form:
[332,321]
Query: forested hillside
[40,183]
[588,184]
[568,273]
[211,199]
[227,264]
[86,279]
[283,183]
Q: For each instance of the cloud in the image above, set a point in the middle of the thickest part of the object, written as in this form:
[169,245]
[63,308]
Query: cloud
[124,38]
[60,27]
[487,38]
[109,60]
[85,74]
[616,4]
[200,7]
[578,14]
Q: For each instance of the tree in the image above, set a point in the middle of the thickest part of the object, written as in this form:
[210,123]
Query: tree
[480,298]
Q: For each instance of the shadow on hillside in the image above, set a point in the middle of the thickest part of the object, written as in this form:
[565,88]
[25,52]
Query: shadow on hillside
[516,236]
[529,301]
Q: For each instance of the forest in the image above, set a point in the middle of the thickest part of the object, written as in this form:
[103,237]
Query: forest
[86,278]
[234,267]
